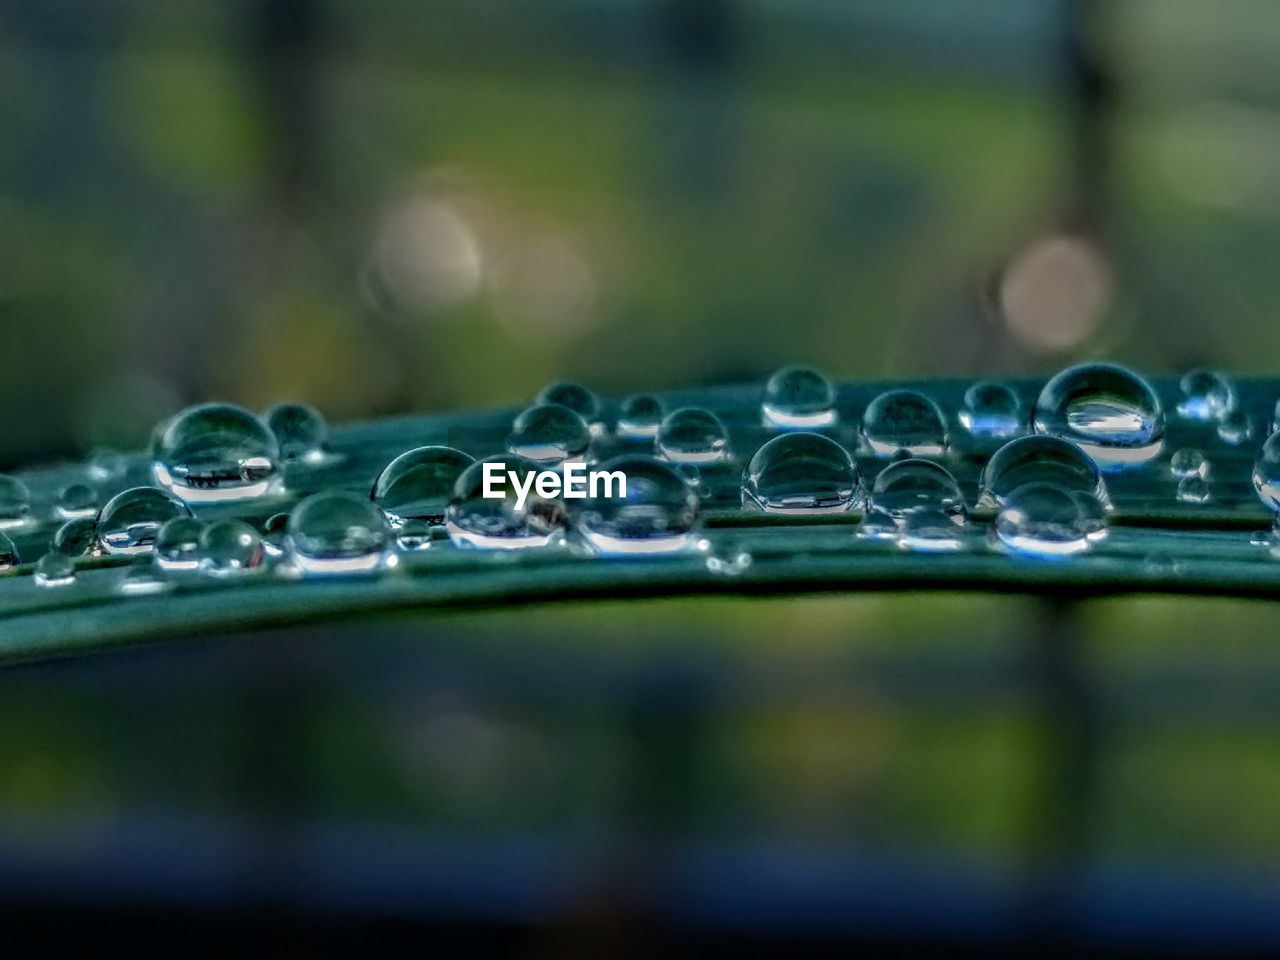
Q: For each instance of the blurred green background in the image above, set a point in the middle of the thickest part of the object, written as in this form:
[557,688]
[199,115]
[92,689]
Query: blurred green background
[396,206]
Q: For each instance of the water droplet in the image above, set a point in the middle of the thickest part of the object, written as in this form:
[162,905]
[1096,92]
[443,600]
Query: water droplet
[1093,514]
[177,545]
[802,473]
[229,547]
[1235,428]
[128,523]
[299,429]
[77,502]
[1042,520]
[693,435]
[216,451]
[1108,410]
[640,417]
[904,420]
[911,486]
[8,553]
[140,581]
[418,484]
[415,535]
[55,570]
[1205,396]
[1266,472]
[549,434]
[930,530]
[76,538]
[877,525]
[581,400]
[336,532]
[1193,490]
[15,502]
[799,398]
[991,410]
[1040,459]
[1188,462]
[658,515]
[106,464]
[502,523]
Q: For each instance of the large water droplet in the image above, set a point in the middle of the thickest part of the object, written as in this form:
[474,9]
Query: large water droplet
[799,398]
[128,523]
[1266,472]
[657,515]
[802,473]
[1205,395]
[1042,520]
[76,538]
[177,545]
[216,451]
[693,435]
[228,548]
[15,502]
[1188,462]
[581,400]
[8,553]
[640,417]
[1108,410]
[991,410]
[336,532]
[911,486]
[503,522]
[418,484]
[76,502]
[549,434]
[300,431]
[1040,459]
[904,421]
[55,570]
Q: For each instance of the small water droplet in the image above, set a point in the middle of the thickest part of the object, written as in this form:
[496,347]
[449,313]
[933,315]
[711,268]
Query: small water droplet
[216,451]
[1193,490]
[300,431]
[878,525]
[502,523]
[1040,459]
[1108,410]
[930,530]
[549,434]
[8,553]
[1044,521]
[106,464]
[1266,472]
[177,546]
[640,417]
[418,484]
[1206,395]
[802,473]
[228,548]
[911,486]
[144,580]
[1235,428]
[1188,462]
[336,532]
[77,502]
[129,522]
[581,400]
[798,398]
[991,410]
[658,515]
[415,535]
[76,538]
[15,502]
[54,570]
[904,420]
[693,435]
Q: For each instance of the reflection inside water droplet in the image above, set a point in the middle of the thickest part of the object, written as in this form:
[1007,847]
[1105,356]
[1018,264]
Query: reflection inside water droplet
[549,434]
[693,435]
[991,410]
[1107,410]
[904,421]
[658,515]
[1043,521]
[418,484]
[214,452]
[1040,459]
[798,398]
[502,523]
[129,522]
[802,473]
[336,532]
